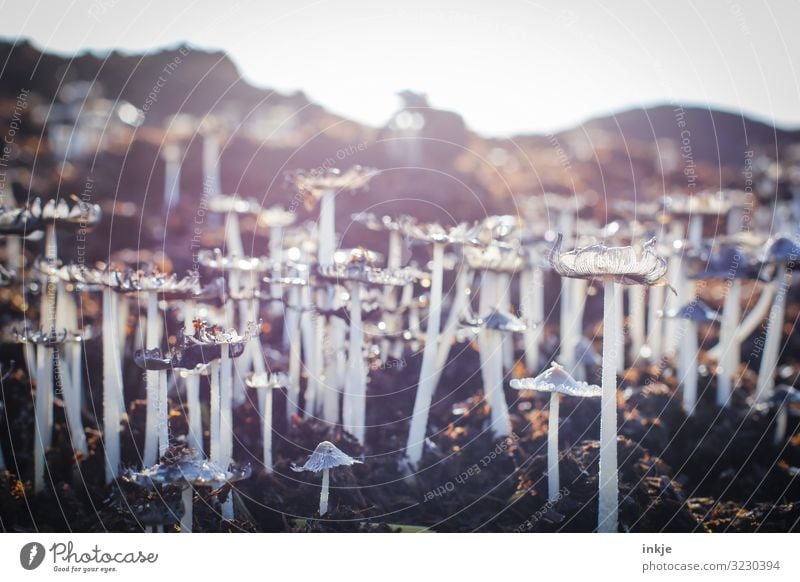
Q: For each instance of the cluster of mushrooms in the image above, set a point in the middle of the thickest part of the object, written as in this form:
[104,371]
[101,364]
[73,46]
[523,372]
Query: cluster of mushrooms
[343,309]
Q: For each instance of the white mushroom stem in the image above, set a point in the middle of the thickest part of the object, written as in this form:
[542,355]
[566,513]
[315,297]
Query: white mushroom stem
[295,364]
[687,365]
[503,301]
[276,256]
[334,378]
[327,227]
[44,413]
[772,342]
[608,510]
[695,234]
[729,359]
[781,423]
[212,183]
[406,297]
[673,301]
[753,318]
[266,428]
[637,299]
[393,262]
[553,481]
[619,332]
[317,380]
[195,436]
[112,385]
[163,414]
[457,307]
[172,175]
[325,493]
[192,384]
[214,421]
[532,305]
[427,376]
[308,328]
[67,367]
[655,322]
[152,382]
[490,345]
[44,368]
[354,410]
[225,407]
[567,348]
[186,498]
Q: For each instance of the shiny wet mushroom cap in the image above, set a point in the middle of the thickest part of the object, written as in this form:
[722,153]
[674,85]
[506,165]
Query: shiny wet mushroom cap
[626,265]
[325,456]
[557,379]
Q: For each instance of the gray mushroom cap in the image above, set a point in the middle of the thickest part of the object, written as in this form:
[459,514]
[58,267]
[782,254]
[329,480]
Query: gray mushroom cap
[315,182]
[192,471]
[557,379]
[626,265]
[325,456]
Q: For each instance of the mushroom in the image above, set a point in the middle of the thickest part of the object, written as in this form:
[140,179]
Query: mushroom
[46,343]
[323,185]
[292,321]
[492,327]
[324,458]
[693,314]
[439,237]
[782,252]
[732,265]
[154,361]
[188,472]
[555,380]
[191,378]
[276,219]
[152,285]
[358,274]
[69,280]
[615,266]
[266,383]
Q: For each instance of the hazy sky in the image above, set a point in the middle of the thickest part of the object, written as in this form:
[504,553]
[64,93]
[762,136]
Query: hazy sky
[508,66]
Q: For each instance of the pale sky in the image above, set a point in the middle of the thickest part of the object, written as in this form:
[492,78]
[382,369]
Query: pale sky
[508,66]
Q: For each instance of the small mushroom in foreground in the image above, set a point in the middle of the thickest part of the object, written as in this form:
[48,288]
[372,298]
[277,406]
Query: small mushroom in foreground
[555,380]
[324,458]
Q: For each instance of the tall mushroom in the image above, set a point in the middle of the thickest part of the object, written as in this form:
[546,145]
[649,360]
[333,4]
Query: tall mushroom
[439,237]
[615,266]
[358,274]
[324,458]
[555,380]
